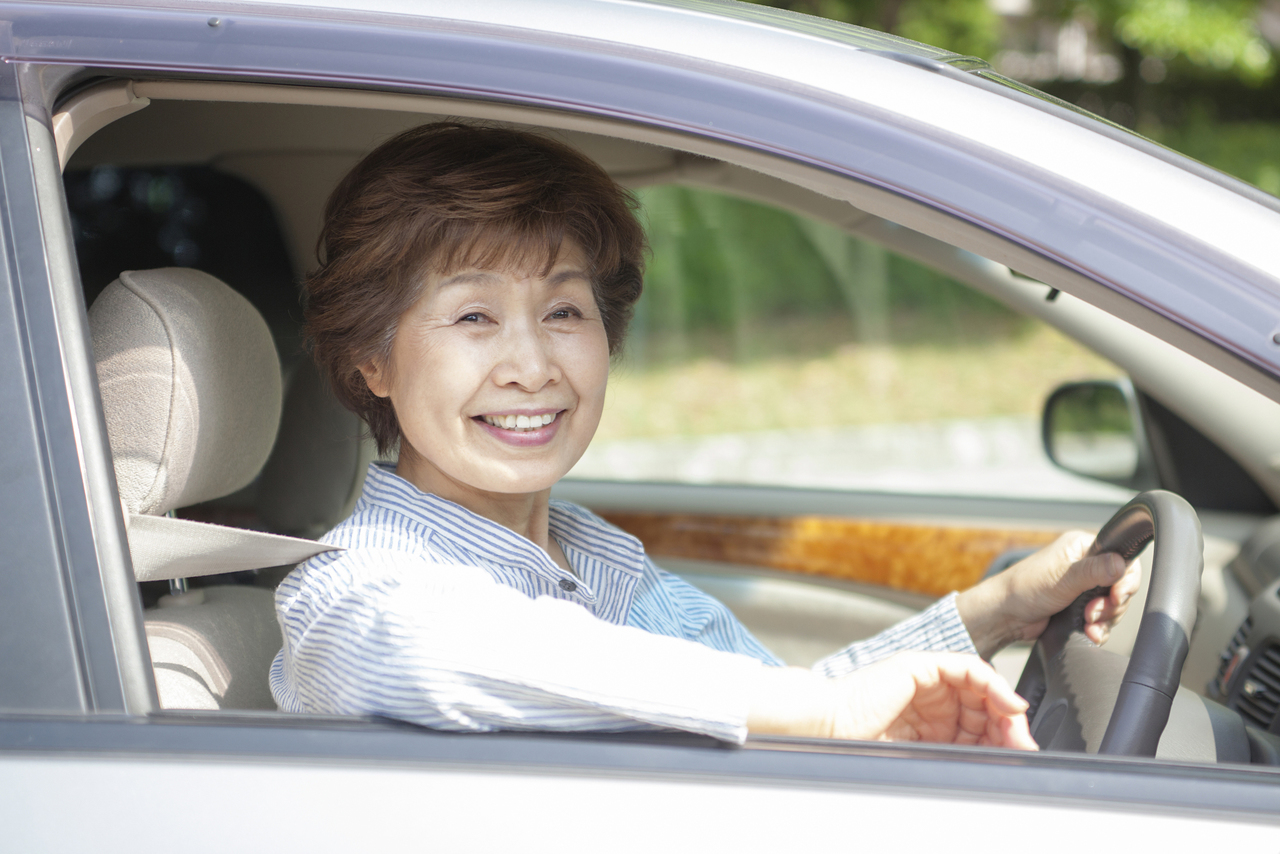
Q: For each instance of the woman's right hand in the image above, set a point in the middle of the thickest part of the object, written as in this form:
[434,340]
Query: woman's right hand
[943,697]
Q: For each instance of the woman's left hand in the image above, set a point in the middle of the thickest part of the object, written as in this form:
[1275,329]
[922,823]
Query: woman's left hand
[1017,603]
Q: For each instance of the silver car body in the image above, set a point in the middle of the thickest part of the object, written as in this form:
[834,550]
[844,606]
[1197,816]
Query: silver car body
[1166,267]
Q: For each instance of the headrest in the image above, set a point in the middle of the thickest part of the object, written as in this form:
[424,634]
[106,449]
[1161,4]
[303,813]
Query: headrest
[190,386]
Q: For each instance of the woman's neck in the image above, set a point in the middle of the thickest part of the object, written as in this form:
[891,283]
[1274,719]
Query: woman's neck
[525,513]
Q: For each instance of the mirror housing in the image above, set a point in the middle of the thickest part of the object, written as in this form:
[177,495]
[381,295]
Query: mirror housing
[1096,429]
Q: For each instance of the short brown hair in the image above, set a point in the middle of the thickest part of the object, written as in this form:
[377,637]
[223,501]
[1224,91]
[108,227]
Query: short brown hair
[446,196]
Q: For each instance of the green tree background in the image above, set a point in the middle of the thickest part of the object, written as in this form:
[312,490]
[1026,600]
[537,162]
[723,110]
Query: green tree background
[1196,75]
[756,319]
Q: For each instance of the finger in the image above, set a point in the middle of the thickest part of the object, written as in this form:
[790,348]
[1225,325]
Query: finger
[1015,732]
[1083,575]
[1098,619]
[1073,545]
[1109,609]
[1002,720]
[1096,610]
[1102,570]
[1127,586]
[1004,699]
[975,723]
[1054,559]
[972,673]
[1097,632]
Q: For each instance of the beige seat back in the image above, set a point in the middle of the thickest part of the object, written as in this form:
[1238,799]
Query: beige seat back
[316,470]
[190,385]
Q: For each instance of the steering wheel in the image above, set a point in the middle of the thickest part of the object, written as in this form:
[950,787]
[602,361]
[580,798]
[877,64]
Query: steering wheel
[1072,683]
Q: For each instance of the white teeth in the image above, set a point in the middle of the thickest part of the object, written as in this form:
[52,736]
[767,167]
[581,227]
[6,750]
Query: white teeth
[520,422]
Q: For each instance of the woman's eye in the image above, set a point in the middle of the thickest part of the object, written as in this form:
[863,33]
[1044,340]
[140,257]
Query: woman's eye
[564,313]
[473,317]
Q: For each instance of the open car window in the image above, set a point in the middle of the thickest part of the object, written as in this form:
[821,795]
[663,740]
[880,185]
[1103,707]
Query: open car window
[773,349]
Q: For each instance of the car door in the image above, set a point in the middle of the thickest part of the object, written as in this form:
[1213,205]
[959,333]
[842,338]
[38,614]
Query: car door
[272,779]
[69,606]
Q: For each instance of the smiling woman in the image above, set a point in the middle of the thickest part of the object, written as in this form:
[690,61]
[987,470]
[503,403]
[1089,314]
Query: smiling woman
[456,202]
[498,380]
[474,283]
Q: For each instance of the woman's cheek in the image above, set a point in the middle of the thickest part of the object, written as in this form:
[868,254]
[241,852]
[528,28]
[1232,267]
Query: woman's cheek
[593,376]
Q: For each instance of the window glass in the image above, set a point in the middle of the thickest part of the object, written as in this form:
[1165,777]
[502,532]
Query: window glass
[772,349]
[130,218]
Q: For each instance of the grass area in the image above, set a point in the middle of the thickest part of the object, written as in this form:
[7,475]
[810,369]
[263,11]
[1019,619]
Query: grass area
[799,377]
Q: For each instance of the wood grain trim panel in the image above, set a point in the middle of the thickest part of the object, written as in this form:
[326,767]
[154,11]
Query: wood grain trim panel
[930,559]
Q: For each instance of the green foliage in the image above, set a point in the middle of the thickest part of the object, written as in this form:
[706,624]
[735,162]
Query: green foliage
[1091,409]
[1213,36]
[968,27]
[1219,35]
[727,271]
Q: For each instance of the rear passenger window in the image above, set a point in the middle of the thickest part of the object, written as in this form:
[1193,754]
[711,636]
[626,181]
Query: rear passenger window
[189,216]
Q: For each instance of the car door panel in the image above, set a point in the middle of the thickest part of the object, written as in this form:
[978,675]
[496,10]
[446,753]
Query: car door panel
[129,768]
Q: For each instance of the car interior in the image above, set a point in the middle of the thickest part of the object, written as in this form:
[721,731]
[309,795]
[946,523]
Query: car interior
[195,208]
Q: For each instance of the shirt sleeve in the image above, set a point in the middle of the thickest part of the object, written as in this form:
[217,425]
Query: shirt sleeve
[938,628]
[703,618]
[665,603]
[447,647]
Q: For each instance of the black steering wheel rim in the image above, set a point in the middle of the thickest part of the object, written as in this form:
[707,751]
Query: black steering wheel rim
[1150,681]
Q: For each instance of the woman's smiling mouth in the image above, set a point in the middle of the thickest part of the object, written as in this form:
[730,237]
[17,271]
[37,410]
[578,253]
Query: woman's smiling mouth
[523,430]
[520,423]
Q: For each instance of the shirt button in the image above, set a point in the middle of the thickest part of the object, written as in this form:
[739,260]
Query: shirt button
[567,586]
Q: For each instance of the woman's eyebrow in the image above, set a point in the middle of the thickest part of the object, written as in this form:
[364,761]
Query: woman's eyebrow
[473,277]
[483,277]
[567,276]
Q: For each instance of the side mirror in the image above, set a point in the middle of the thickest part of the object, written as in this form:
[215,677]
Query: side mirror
[1096,429]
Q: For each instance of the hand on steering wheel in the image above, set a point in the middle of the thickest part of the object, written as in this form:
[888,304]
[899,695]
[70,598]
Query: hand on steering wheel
[1064,677]
[1016,604]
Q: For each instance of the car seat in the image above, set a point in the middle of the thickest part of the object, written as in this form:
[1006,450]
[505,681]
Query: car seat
[191,391]
[315,473]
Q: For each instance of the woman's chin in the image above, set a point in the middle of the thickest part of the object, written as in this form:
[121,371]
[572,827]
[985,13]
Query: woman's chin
[527,477]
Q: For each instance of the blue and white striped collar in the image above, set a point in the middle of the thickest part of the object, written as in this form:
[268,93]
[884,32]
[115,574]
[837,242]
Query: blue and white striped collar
[579,532]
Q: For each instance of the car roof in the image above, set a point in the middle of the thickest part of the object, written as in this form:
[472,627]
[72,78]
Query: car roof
[739,27]
[846,65]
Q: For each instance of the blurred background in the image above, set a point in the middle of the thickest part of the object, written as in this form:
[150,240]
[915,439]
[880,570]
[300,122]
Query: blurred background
[771,349]
[1196,75]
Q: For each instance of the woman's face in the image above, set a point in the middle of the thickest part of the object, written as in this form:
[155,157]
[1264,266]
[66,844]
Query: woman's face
[497,379]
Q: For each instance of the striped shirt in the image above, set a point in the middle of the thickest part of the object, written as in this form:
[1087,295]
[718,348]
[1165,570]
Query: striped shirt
[439,616]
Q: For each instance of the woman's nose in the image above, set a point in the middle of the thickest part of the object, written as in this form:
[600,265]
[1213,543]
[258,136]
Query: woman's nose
[526,360]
